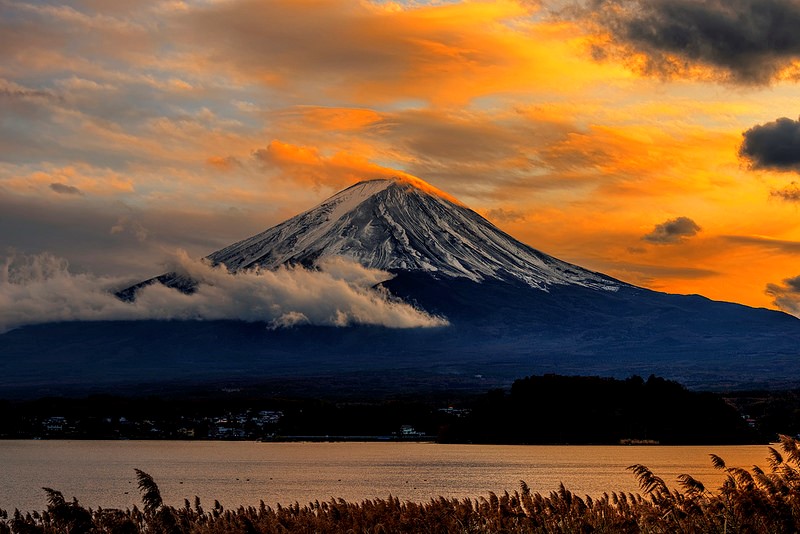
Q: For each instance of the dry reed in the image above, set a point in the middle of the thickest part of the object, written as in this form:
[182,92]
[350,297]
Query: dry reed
[749,501]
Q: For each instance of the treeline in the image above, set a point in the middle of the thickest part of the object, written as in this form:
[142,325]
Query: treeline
[538,409]
[773,412]
[749,501]
[584,410]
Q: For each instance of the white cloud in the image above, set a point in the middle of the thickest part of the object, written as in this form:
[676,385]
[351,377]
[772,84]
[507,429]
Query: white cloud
[41,289]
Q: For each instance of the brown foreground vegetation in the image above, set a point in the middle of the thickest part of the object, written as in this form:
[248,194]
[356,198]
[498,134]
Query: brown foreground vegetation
[749,501]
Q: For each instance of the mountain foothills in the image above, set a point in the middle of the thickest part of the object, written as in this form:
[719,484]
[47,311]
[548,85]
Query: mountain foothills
[502,310]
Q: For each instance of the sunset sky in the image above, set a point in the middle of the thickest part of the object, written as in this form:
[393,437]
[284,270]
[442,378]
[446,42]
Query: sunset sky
[656,141]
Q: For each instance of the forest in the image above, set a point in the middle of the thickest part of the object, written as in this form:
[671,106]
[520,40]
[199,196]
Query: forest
[553,409]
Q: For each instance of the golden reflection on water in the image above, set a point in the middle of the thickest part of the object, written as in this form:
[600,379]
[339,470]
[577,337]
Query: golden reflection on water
[100,473]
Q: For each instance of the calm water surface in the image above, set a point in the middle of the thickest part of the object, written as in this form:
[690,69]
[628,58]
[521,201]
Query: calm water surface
[100,473]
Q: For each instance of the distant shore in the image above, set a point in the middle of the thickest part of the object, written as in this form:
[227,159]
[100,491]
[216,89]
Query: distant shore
[534,410]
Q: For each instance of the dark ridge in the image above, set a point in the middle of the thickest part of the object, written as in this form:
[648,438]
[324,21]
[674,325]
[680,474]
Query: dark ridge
[172,280]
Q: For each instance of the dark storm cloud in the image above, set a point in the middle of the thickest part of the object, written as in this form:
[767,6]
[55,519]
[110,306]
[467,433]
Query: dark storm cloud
[650,275]
[774,145]
[17,92]
[779,245]
[64,189]
[672,231]
[743,41]
[786,295]
[790,193]
[655,273]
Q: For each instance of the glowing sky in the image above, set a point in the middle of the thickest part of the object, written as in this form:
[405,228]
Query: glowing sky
[653,140]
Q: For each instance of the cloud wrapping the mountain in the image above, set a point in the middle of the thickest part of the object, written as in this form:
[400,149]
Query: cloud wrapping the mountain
[741,41]
[40,289]
[774,145]
[672,231]
[786,295]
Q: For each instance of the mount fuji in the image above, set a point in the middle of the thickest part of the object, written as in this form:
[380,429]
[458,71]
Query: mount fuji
[400,226]
[510,311]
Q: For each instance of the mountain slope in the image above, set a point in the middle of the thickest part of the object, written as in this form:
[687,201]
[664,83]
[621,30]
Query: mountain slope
[512,311]
[396,225]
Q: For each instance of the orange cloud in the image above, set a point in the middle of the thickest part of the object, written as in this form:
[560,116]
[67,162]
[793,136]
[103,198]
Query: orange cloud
[643,160]
[165,107]
[339,119]
[608,239]
[226,163]
[746,43]
[306,165]
[75,178]
[363,52]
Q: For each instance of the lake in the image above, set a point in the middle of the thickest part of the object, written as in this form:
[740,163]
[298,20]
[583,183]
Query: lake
[101,473]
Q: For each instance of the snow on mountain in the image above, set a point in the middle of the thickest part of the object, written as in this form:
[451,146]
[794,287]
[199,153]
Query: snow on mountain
[399,224]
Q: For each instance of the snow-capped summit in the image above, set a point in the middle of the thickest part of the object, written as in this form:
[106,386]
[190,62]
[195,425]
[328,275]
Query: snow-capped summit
[406,225]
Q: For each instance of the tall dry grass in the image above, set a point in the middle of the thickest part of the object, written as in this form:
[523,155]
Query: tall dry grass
[749,501]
